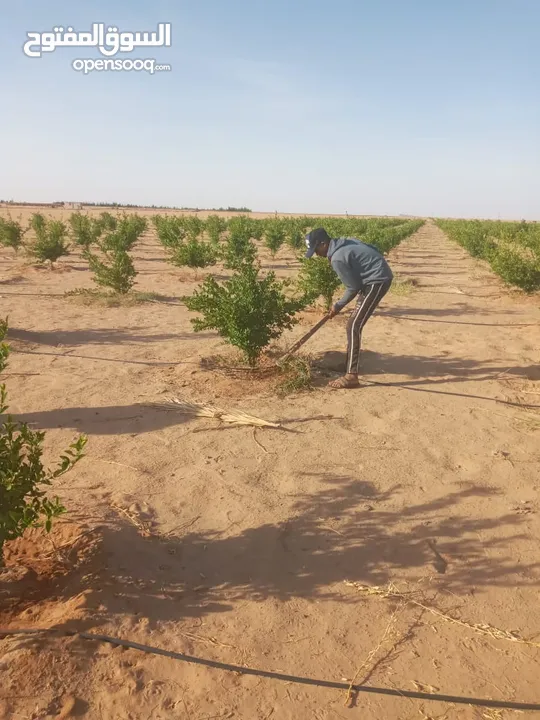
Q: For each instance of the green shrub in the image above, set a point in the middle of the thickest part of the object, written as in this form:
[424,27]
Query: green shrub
[50,241]
[248,311]
[23,478]
[238,248]
[194,226]
[85,230]
[194,253]
[295,234]
[107,221]
[38,223]
[215,227]
[171,231]
[256,228]
[516,269]
[476,241]
[11,234]
[274,235]
[317,279]
[241,226]
[128,230]
[115,268]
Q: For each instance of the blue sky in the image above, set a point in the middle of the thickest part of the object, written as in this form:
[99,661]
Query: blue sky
[362,106]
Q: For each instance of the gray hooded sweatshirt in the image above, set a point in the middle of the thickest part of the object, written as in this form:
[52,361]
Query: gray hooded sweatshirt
[357,264]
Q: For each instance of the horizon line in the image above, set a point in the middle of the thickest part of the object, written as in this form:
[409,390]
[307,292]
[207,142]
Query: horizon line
[243,210]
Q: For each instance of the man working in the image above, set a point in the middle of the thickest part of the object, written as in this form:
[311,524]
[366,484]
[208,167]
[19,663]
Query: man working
[364,272]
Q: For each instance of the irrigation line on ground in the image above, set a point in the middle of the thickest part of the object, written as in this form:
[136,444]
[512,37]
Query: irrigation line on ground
[478,702]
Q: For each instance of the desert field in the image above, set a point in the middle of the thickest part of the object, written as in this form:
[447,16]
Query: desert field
[385,536]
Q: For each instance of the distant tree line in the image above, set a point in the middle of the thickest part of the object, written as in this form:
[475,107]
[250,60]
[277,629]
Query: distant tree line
[129,205]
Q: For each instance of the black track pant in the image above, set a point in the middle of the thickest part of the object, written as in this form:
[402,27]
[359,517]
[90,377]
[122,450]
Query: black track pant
[365,305]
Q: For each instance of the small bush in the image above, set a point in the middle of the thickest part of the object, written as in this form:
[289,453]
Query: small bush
[241,225]
[50,241]
[256,228]
[317,279]
[238,248]
[215,227]
[170,230]
[248,311]
[23,478]
[107,221]
[516,269]
[128,230]
[274,235]
[194,226]
[123,238]
[11,234]
[194,253]
[38,223]
[85,230]
[295,235]
[114,270]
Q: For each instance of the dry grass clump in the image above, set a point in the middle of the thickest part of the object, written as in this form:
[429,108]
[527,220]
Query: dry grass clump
[107,298]
[403,286]
[233,417]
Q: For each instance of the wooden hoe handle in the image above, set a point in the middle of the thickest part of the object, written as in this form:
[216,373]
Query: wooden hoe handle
[304,338]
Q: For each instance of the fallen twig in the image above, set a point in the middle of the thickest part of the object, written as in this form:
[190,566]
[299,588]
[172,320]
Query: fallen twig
[392,593]
[258,443]
[184,526]
[144,528]
[112,462]
[372,654]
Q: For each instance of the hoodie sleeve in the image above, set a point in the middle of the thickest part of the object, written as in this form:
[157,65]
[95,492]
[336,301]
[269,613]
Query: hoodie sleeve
[349,279]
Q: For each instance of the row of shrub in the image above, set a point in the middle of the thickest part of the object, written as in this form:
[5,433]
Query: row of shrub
[247,310]
[191,241]
[511,249]
[105,242]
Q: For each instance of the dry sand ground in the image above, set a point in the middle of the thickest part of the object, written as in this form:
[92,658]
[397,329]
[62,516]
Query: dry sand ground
[426,477]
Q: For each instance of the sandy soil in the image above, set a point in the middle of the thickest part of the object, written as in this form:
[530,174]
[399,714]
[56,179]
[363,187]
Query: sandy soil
[252,548]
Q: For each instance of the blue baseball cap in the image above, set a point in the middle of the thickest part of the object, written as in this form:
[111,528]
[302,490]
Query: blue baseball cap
[314,239]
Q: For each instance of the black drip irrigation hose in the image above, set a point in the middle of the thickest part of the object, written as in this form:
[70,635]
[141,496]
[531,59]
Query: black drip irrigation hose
[478,702]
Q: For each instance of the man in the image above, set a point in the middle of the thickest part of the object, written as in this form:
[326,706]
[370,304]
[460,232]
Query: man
[364,272]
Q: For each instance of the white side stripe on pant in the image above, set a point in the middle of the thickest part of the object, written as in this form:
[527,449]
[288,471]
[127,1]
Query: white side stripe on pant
[362,314]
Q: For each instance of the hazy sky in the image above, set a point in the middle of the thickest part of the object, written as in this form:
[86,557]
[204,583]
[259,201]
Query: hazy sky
[427,107]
